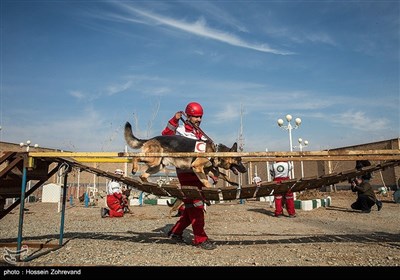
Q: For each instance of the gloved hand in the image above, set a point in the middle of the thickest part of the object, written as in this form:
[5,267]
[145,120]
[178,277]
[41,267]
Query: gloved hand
[178,115]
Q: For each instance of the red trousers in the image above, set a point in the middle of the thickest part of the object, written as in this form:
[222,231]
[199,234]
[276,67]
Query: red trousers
[192,216]
[114,202]
[289,201]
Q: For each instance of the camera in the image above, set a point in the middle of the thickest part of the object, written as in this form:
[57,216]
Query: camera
[352,180]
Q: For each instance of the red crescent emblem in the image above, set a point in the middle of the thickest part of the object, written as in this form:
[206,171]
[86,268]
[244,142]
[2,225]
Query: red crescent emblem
[200,147]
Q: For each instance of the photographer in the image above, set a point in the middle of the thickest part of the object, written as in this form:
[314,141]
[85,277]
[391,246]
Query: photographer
[368,176]
[365,194]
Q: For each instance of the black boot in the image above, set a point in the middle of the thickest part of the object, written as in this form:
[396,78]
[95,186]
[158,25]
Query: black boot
[104,212]
[379,204]
[178,214]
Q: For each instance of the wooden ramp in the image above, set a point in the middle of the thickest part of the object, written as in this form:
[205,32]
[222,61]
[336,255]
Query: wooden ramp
[232,193]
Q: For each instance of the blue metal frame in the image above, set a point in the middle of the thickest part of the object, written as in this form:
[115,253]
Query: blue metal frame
[21,211]
[63,206]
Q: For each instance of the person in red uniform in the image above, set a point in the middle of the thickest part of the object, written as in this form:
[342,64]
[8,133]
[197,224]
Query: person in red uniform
[193,211]
[280,171]
[116,200]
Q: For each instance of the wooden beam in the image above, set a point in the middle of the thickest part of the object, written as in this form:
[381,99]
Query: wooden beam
[324,158]
[102,159]
[304,154]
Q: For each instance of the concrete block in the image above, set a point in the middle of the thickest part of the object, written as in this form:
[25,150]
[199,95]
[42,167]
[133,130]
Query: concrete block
[306,205]
[266,198]
[216,201]
[150,201]
[328,201]
[134,202]
[163,201]
[312,204]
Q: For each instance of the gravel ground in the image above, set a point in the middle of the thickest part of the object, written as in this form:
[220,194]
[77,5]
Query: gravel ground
[246,234]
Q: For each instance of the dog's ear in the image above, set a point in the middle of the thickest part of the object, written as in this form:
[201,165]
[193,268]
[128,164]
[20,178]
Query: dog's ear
[234,147]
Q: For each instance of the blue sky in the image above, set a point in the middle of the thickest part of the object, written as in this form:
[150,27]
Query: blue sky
[73,72]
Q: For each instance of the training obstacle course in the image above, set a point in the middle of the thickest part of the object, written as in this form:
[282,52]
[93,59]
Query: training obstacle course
[19,168]
[22,167]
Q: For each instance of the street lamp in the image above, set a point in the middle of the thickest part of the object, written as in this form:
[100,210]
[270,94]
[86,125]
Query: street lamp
[289,128]
[28,144]
[267,167]
[301,146]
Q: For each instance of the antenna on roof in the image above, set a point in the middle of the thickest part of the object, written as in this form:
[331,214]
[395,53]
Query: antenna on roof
[241,146]
[241,138]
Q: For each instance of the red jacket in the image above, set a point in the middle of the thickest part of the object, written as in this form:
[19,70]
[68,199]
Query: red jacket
[185,177]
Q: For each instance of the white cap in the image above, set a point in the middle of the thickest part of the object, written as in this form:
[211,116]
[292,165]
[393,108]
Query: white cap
[119,171]
[257,179]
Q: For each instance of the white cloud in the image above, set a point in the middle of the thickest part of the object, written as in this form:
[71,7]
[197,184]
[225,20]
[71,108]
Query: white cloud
[200,28]
[219,14]
[114,89]
[360,121]
[77,94]
[226,113]
[299,36]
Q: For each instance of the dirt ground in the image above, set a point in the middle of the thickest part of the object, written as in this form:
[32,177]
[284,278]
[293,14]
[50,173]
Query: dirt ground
[246,235]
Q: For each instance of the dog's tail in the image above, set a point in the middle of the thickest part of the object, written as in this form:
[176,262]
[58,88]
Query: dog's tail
[130,139]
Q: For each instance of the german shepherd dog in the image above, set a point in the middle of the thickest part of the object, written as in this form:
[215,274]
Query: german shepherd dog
[201,166]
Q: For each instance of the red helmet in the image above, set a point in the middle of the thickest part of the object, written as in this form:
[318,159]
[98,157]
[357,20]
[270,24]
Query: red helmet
[194,109]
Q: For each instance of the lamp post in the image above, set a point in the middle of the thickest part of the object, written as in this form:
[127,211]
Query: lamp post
[28,144]
[289,128]
[301,146]
[267,167]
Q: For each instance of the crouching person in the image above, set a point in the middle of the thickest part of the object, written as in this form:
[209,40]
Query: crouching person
[365,195]
[115,199]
